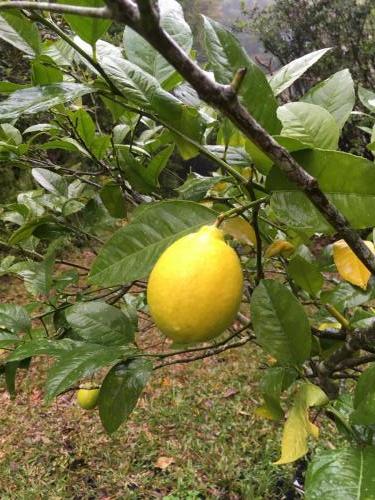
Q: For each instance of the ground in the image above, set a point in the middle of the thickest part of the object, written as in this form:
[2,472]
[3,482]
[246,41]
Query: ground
[194,435]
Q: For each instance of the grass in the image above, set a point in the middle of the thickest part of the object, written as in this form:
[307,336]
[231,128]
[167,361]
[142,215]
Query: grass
[199,418]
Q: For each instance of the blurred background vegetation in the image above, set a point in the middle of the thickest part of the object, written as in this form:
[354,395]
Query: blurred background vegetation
[274,33]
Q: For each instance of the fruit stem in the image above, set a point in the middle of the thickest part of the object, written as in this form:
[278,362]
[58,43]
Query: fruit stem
[239,210]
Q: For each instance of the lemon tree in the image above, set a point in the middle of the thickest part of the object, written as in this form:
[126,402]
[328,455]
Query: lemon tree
[199,201]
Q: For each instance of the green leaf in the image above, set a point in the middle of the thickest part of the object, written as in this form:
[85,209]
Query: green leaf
[83,361]
[141,53]
[347,180]
[298,426]
[342,474]
[305,274]
[195,187]
[145,179]
[8,339]
[364,398]
[10,377]
[226,56]
[367,98]
[310,124]
[90,29]
[14,319]
[280,323]
[100,323]
[113,200]
[37,99]
[45,74]
[120,391]
[37,276]
[345,296]
[134,249]
[273,383]
[288,74]
[20,32]
[336,95]
[43,347]
[52,182]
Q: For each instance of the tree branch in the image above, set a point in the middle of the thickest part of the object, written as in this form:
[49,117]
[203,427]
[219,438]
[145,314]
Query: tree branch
[101,12]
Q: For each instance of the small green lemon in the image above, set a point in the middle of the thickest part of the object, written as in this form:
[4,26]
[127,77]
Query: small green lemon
[195,289]
[87,398]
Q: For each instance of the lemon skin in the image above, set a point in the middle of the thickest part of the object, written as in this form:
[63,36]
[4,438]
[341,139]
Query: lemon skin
[87,398]
[194,291]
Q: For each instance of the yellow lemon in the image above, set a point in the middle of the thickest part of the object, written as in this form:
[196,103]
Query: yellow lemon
[87,398]
[195,289]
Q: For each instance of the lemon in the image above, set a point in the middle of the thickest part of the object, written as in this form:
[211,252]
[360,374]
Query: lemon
[195,289]
[87,398]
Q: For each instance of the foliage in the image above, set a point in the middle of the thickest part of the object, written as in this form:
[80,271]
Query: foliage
[100,162]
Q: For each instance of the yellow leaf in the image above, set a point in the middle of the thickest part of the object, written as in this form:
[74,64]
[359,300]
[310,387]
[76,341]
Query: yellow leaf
[349,267]
[328,326]
[298,427]
[241,230]
[278,247]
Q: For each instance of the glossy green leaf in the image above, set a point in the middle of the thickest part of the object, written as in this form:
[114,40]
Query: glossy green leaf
[305,274]
[364,398]
[288,74]
[310,124]
[141,53]
[195,187]
[45,74]
[336,95]
[280,323]
[367,98]
[113,200]
[100,323]
[20,32]
[345,474]
[14,318]
[51,181]
[345,296]
[347,180]
[83,361]
[90,29]
[226,56]
[120,391]
[43,347]
[134,249]
[36,99]
[8,339]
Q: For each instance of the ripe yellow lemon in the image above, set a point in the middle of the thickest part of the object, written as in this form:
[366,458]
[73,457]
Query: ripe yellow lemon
[195,289]
[87,398]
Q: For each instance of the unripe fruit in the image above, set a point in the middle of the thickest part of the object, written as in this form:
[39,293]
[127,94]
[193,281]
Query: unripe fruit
[87,398]
[195,289]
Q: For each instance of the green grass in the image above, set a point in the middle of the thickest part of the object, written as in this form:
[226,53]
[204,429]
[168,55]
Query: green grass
[200,415]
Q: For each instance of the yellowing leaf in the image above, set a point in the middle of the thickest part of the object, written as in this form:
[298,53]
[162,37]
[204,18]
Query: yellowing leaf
[349,266]
[278,247]
[241,230]
[266,412]
[328,326]
[298,427]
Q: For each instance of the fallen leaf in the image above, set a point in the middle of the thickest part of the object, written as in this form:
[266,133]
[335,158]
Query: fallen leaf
[164,462]
[230,393]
